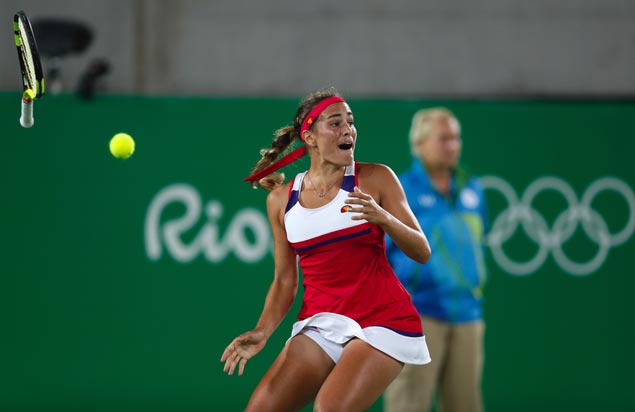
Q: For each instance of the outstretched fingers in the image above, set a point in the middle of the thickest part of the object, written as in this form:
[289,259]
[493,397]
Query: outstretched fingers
[233,357]
[241,349]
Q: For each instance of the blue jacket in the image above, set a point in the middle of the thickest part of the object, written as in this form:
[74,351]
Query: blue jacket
[449,286]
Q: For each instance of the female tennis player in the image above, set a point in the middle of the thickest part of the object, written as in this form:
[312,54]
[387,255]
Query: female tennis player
[357,326]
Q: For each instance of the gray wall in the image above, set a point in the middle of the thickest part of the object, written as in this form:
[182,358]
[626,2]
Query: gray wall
[364,47]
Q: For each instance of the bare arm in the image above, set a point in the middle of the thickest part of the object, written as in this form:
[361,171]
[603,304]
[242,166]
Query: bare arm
[285,282]
[280,296]
[381,200]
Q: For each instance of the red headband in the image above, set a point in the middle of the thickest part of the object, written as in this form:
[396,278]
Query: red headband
[316,111]
[300,151]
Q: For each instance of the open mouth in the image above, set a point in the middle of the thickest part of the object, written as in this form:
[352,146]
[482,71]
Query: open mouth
[345,146]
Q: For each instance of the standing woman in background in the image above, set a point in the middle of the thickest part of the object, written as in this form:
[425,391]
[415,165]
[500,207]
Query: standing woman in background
[450,207]
[357,325]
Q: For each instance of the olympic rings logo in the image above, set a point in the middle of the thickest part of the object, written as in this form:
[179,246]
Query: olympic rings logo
[550,238]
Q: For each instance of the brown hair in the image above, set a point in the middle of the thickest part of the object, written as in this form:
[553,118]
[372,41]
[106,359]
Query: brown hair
[284,138]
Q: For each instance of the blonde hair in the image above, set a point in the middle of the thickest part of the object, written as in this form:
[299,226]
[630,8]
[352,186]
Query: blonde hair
[421,121]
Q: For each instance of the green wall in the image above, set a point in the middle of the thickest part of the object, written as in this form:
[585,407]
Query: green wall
[105,309]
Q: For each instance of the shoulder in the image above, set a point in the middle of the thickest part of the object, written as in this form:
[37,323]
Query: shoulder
[278,197]
[473,194]
[375,171]
[474,183]
[378,180]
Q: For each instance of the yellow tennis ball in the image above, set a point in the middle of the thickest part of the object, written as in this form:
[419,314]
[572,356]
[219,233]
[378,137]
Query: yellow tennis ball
[122,146]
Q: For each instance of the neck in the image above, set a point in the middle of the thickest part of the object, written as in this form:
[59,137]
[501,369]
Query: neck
[326,173]
[441,178]
[322,180]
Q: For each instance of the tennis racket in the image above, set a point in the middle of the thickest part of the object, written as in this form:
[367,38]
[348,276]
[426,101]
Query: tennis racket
[32,78]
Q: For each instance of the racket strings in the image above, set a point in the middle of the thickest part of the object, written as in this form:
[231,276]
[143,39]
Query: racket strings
[27,59]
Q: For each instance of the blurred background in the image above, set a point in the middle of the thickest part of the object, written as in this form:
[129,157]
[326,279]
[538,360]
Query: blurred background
[367,48]
[121,281]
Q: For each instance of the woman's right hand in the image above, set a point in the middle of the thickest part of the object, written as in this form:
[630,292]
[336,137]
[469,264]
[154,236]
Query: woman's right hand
[241,349]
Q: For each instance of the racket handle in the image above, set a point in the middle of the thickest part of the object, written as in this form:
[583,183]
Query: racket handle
[26,119]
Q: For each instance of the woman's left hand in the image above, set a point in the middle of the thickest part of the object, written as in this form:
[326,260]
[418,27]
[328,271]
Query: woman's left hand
[365,207]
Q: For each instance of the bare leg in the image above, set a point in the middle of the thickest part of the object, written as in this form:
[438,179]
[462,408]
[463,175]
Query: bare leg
[358,379]
[294,378]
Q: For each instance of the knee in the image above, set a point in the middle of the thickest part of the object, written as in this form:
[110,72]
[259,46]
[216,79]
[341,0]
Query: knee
[320,407]
[330,406]
[260,407]
[261,401]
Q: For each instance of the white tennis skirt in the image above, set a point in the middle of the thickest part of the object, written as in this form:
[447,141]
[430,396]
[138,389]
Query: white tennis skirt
[339,329]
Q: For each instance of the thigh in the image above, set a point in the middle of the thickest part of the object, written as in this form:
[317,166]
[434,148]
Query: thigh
[358,379]
[293,379]
[461,387]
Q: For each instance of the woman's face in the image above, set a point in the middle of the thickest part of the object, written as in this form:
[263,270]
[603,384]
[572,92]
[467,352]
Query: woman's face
[442,147]
[335,134]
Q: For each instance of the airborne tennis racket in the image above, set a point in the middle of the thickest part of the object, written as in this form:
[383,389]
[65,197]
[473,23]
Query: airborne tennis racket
[32,78]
